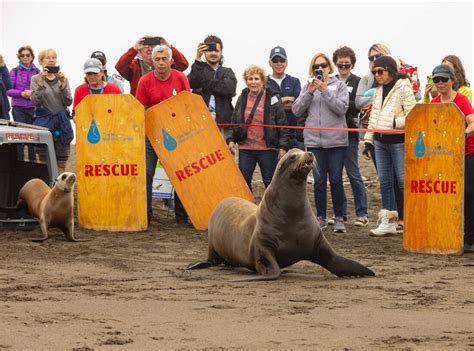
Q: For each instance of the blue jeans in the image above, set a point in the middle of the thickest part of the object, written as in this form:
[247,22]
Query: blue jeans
[351,163]
[266,159]
[390,164]
[151,160]
[24,115]
[329,162]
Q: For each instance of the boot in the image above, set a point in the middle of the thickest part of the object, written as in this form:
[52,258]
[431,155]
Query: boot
[387,223]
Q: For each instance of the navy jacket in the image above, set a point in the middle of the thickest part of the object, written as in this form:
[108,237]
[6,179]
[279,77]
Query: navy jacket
[60,121]
[4,103]
[290,86]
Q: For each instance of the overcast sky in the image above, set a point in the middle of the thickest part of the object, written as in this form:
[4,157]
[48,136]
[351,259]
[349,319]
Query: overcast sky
[419,32]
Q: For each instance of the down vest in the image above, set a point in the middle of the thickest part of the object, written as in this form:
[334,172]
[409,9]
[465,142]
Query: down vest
[392,113]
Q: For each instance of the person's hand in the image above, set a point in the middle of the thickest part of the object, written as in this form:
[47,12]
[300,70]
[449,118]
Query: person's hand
[428,88]
[26,93]
[163,41]
[62,79]
[287,102]
[200,51]
[233,148]
[322,85]
[368,148]
[312,87]
[139,44]
[281,153]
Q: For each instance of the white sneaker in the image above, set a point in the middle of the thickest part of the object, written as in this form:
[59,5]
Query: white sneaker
[387,223]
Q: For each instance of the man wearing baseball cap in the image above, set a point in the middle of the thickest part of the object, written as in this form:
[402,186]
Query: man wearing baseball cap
[287,87]
[95,82]
[114,78]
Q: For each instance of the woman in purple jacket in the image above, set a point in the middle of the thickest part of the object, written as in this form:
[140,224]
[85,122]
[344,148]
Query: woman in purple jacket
[20,76]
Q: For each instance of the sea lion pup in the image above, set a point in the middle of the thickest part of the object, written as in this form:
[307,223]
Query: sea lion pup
[52,208]
[279,232]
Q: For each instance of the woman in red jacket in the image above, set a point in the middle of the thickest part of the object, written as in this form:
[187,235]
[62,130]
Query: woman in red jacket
[445,81]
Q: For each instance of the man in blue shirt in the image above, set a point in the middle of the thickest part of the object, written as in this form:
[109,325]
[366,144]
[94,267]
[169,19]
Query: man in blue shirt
[287,87]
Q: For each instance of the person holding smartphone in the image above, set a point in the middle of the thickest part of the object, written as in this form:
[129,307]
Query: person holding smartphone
[51,96]
[325,99]
[137,61]
[216,84]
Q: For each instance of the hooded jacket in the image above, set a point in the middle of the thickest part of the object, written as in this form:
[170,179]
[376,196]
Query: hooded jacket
[325,109]
[21,80]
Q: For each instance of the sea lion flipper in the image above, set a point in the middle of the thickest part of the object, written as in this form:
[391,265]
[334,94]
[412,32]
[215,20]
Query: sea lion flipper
[327,258]
[199,265]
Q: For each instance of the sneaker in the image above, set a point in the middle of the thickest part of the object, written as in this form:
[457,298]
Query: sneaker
[400,227]
[332,220]
[361,221]
[339,226]
[322,223]
[387,223]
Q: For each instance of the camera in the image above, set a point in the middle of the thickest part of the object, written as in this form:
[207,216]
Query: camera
[318,74]
[211,46]
[152,41]
[52,69]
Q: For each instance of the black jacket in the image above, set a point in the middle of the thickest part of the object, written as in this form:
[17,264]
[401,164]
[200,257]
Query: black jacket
[274,114]
[352,111]
[221,84]
[4,103]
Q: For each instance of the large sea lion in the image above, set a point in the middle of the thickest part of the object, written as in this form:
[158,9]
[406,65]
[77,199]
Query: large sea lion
[279,232]
[52,208]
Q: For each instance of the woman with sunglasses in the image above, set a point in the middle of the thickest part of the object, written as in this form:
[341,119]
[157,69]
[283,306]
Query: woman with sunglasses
[20,77]
[325,99]
[446,84]
[393,100]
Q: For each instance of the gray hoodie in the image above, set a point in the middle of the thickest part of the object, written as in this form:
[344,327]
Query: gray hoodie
[326,110]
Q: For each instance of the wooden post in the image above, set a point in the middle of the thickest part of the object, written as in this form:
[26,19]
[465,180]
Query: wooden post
[194,155]
[434,180]
[111,174]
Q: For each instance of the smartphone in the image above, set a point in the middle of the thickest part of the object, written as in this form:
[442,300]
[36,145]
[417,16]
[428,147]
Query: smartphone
[211,47]
[318,74]
[152,41]
[52,69]
[429,79]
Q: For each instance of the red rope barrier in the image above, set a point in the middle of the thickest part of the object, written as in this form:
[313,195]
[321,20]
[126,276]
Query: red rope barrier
[384,131]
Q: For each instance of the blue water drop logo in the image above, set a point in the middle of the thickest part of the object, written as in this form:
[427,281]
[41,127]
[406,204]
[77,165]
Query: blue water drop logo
[93,136]
[169,141]
[420,148]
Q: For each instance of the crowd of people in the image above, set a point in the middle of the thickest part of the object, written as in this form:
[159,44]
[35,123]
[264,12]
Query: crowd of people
[331,97]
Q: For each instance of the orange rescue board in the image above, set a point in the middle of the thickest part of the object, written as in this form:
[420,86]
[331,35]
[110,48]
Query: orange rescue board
[434,180]
[111,173]
[194,155]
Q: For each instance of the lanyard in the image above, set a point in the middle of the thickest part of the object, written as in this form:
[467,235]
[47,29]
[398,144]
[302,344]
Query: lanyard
[92,91]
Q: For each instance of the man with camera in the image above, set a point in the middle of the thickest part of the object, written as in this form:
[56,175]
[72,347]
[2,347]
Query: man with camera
[287,87]
[137,61]
[215,83]
[158,85]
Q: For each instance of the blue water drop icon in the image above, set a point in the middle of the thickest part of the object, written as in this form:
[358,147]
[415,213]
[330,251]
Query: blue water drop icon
[93,136]
[170,143]
[420,148]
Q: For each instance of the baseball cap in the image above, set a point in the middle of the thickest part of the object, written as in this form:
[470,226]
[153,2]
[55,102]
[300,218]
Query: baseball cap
[92,65]
[443,71]
[278,51]
[100,56]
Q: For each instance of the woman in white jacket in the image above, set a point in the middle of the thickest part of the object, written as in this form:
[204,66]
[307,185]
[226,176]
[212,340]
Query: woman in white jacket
[392,102]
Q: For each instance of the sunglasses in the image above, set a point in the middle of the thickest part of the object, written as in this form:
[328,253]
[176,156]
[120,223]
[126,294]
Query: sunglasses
[378,72]
[437,80]
[374,57]
[25,55]
[278,60]
[322,65]
[344,65]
